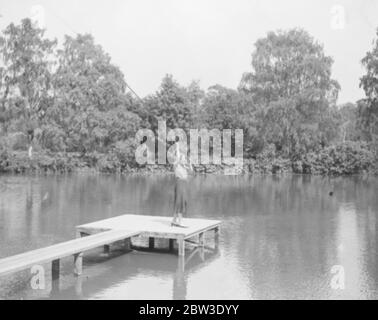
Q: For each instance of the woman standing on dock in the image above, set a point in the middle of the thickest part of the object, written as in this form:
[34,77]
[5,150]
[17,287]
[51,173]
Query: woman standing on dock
[181,168]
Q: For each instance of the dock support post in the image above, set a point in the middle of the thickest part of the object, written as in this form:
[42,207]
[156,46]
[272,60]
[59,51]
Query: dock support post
[55,269]
[127,244]
[151,242]
[201,239]
[79,287]
[78,262]
[55,288]
[80,234]
[106,249]
[171,244]
[202,253]
[216,237]
[181,247]
[181,265]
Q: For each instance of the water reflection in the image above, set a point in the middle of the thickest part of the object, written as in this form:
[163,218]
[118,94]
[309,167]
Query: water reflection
[130,271]
[280,238]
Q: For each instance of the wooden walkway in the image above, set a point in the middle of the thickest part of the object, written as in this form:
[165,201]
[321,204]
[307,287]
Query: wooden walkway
[157,227]
[105,232]
[58,251]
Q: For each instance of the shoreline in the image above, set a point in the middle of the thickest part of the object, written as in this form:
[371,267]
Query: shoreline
[60,163]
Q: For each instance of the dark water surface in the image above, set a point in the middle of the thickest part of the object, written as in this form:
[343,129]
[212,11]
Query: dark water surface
[280,238]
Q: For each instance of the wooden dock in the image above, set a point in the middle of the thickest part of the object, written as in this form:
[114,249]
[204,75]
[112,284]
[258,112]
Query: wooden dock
[105,232]
[153,227]
[61,250]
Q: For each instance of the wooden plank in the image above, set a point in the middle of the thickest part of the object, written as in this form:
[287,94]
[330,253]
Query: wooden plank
[61,250]
[151,226]
[194,243]
[207,228]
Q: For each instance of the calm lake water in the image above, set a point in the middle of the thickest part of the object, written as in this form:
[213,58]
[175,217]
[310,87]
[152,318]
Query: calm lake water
[280,239]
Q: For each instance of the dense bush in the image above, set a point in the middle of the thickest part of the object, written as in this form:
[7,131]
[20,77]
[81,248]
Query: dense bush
[344,158]
[42,161]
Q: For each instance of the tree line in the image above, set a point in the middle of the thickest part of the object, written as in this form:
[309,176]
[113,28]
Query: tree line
[70,105]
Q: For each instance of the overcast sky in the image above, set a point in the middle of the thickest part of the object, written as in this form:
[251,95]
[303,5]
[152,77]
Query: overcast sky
[206,40]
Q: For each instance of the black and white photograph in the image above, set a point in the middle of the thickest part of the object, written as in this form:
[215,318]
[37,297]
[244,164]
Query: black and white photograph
[187,150]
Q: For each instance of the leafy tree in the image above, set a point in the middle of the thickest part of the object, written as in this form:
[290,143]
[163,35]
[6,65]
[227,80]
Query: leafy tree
[196,97]
[173,103]
[368,107]
[225,108]
[91,105]
[288,64]
[25,76]
[291,79]
[348,114]
[281,125]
